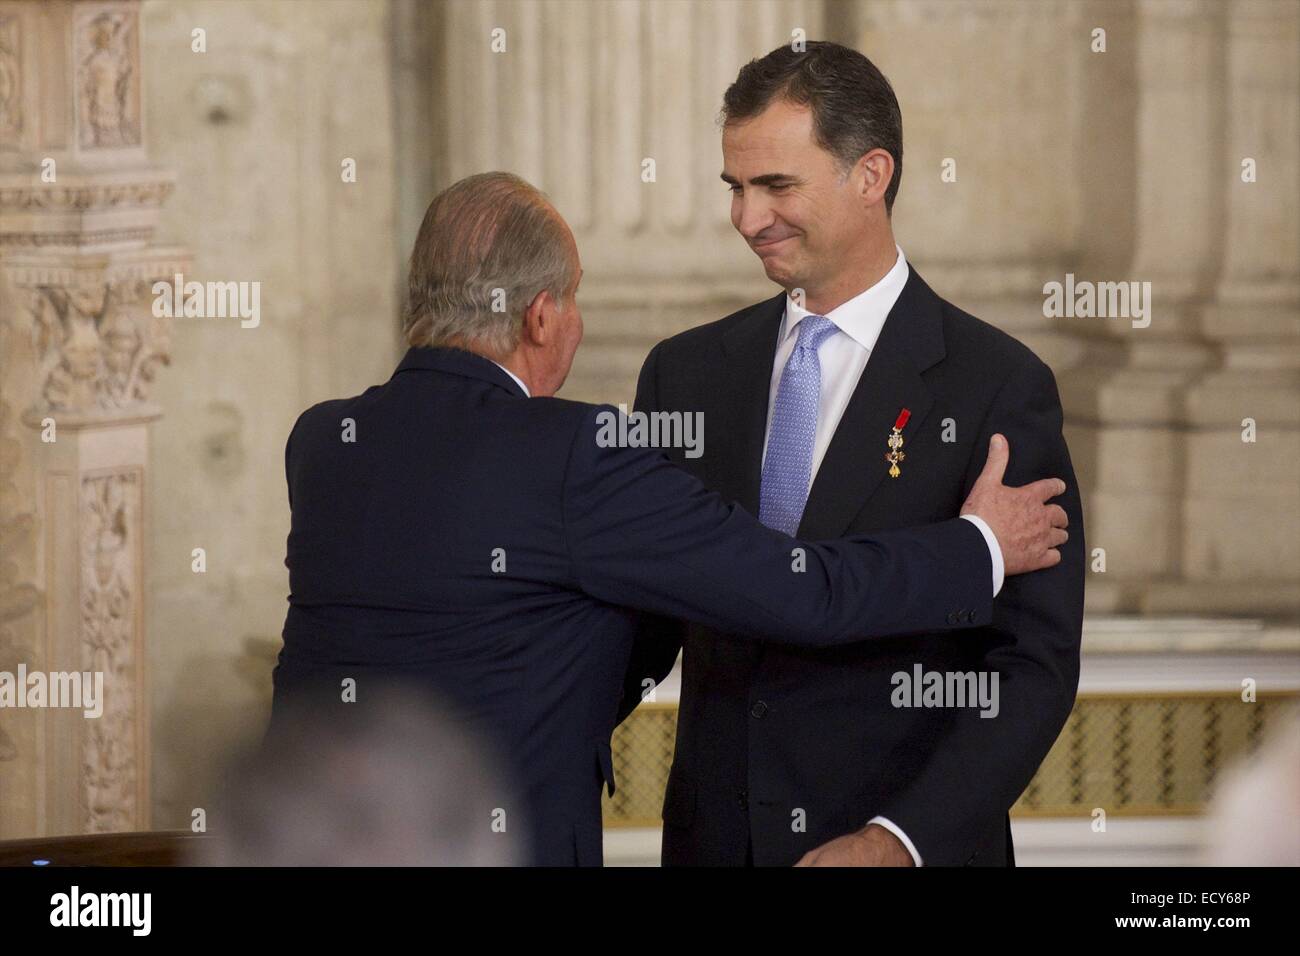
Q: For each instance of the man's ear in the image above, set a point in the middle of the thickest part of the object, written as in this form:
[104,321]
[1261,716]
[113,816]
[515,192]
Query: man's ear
[539,325]
[876,169]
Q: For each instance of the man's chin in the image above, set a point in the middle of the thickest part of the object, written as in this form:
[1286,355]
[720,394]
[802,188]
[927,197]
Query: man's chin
[779,273]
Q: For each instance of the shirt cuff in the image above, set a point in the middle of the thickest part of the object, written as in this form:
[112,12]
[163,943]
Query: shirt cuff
[995,551]
[896,831]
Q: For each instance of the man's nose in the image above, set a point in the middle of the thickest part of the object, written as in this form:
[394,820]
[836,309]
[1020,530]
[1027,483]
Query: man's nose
[755,215]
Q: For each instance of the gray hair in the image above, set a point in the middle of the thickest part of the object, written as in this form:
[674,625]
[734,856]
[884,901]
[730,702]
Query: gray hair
[487,246]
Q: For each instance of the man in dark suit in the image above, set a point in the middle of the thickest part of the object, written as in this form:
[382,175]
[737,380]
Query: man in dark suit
[831,756]
[493,549]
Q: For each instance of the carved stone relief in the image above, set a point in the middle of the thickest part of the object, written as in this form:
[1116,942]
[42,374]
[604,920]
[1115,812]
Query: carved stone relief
[110,525]
[108,100]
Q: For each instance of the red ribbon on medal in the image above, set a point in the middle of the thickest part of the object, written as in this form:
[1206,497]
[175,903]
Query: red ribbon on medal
[895,453]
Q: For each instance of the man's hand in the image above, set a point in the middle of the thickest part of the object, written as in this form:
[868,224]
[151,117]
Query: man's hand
[1028,529]
[871,846]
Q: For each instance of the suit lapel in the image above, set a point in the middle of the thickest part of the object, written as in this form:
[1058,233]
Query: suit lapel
[911,341]
[750,349]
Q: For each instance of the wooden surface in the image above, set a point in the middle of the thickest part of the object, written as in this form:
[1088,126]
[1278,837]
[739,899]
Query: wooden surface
[160,848]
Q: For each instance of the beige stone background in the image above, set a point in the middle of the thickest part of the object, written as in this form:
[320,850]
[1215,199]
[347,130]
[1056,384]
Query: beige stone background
[1114,166]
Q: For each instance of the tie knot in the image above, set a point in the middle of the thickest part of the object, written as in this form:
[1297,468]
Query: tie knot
[813,331]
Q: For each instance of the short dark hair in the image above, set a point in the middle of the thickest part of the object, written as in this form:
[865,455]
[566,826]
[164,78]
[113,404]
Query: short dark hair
[853,106]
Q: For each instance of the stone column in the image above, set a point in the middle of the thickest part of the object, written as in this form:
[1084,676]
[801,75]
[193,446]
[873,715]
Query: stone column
[1127,401]
[1193,519]
[1015,144]
[1241,547]
[80,348]
[610,108]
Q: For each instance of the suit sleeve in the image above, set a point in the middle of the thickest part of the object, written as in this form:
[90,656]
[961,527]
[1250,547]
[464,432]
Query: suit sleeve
[658,639]
[985,763]
[645,534]
[288,471]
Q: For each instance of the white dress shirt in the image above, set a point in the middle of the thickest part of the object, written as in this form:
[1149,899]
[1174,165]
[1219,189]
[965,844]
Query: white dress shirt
[843,357]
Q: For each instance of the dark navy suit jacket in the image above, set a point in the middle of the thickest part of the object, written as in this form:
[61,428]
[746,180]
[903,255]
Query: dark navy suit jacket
[829,740]
[486,545]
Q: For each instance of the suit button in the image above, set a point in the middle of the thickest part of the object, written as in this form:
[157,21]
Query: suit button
[966,615]
[758,710]
[952,617]
[742,798]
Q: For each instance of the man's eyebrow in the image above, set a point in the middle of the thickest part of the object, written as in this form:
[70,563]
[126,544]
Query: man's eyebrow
[767,179]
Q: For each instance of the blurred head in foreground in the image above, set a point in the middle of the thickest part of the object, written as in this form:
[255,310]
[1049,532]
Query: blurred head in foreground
[396,781]
[1254,819]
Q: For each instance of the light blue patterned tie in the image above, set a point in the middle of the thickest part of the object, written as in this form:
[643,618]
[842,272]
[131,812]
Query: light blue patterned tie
[787,469]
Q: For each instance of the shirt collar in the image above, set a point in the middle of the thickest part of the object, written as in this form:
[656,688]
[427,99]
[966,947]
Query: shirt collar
[862,317]
[518,381]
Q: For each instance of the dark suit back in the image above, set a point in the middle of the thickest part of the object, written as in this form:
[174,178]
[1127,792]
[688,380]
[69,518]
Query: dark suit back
[391,556]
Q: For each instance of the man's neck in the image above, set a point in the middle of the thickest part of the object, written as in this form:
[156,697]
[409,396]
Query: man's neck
[513,362]
[854,279]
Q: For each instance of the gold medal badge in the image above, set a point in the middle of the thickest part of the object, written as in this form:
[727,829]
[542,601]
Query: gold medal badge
[895,453]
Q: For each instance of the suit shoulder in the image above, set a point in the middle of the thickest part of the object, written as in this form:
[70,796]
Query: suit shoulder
[330,412]
[691,340]
[561,412]
[560,421]
[986,344]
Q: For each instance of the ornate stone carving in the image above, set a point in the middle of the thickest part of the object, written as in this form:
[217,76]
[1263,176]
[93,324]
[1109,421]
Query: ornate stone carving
[18,598]
[11,100]
[108,98]
[80,345]
[82,238]
[99,346]
[113,212]
[19,595]
[84,196]
[110,512]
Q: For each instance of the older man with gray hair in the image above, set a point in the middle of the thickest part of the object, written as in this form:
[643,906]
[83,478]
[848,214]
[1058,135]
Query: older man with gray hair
[451,532]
